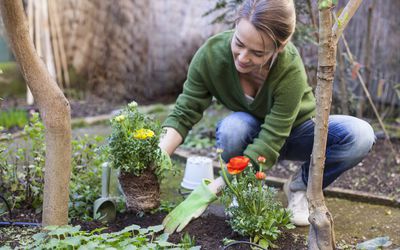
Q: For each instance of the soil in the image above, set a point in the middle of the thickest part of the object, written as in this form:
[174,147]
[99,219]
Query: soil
[208,231]
[141,193]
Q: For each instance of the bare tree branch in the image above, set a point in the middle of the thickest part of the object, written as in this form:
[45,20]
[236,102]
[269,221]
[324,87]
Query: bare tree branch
[344,18]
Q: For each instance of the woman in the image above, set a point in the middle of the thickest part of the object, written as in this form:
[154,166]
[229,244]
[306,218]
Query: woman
[256,72]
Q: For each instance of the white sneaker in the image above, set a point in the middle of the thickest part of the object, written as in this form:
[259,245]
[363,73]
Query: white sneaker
[297,204]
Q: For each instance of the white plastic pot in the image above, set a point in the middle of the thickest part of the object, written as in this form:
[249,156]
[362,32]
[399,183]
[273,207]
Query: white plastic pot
[197,168]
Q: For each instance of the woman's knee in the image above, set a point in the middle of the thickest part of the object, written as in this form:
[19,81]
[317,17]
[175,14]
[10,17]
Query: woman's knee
[235,132]
[358,136]
[365,137]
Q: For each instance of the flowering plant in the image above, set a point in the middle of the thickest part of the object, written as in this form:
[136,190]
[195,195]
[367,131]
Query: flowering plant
[133,144]
[256,214]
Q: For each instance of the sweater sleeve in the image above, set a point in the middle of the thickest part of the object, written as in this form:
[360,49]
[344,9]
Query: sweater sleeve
[194,99]
[279,122]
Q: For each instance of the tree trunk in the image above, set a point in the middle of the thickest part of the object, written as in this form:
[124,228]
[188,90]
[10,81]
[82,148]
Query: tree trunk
[54,109]
[322,234]
[321,230]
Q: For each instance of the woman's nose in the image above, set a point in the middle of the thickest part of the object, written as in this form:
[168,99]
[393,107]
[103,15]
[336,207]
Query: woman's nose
[243,57]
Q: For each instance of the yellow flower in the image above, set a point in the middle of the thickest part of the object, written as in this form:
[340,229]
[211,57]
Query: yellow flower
[143,134]
[120,118]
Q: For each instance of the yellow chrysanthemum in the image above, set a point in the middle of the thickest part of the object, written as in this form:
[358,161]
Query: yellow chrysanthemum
[143,134]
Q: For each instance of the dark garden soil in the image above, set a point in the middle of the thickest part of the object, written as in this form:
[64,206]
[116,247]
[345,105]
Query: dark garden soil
[208,231]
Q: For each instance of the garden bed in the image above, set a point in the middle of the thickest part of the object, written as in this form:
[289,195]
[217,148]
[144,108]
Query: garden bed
[208,231]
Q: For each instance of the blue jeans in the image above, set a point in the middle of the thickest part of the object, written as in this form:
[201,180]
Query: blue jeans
[349,141]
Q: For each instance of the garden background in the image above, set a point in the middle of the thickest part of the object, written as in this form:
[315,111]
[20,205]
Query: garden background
[105,54]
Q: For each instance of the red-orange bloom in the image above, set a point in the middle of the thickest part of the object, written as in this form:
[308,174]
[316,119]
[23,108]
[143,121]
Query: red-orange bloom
[261,175]
[261,159]
[237,164]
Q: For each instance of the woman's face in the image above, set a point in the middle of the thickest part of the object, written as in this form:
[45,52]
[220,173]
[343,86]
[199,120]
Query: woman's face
[249,51]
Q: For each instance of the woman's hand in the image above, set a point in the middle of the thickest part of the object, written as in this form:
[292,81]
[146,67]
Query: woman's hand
[191,208]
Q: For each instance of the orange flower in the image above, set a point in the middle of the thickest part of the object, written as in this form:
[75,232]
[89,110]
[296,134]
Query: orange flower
[237,164]
[261,159]
[261,175]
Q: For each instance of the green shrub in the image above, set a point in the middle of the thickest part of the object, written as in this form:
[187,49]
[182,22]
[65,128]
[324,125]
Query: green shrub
[22,165]
[13,118]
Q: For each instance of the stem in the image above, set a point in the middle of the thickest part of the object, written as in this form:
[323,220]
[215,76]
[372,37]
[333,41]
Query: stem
[226,177]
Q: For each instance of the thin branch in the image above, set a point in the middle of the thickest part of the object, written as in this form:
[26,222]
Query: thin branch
[344,18]
[313,19]
[367,94]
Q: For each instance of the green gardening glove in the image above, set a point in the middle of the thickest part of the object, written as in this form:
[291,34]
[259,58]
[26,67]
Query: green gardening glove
[191,208]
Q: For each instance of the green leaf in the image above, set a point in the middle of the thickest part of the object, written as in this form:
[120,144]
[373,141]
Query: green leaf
[163,237]
[39,236]
[74,241]
[263,243]
[130,228]
[156,229]
[324,4]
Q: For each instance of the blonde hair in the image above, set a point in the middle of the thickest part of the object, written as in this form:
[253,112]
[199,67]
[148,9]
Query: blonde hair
[276,18]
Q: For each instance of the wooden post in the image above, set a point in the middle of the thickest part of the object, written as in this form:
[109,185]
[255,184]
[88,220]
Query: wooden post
[29,96]
[55,42]
[344,97]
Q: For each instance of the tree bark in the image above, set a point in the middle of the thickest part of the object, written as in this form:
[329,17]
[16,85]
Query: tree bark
[54,109]
[321,235]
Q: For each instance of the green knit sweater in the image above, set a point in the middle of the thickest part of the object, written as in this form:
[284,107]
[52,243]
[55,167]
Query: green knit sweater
[284,101]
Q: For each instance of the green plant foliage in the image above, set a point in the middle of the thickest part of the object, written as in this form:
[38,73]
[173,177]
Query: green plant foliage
[188,242]
[257,214]
[131,237]
[22,163]
[13,118]
[133,144]
[87,158]
[21,166]
[203,133]
[165,206]
[11,80]
[199,141]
